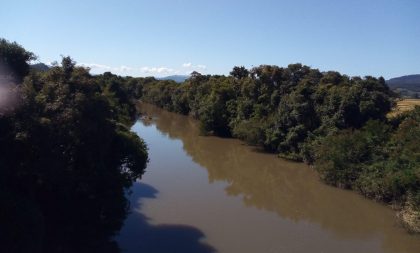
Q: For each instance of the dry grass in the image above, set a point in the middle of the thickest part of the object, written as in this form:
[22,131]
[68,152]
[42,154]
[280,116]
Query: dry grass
[403,106]
[410,217]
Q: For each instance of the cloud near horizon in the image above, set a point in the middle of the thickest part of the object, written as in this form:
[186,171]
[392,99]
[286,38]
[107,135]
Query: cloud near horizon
[127,70]
[191,67]
[103,68]
[158,71]
[195,67]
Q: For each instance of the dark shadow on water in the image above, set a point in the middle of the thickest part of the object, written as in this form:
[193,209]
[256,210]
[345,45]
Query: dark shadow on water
[138,235]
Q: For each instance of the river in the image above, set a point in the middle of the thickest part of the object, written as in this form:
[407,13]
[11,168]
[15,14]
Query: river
[208,194]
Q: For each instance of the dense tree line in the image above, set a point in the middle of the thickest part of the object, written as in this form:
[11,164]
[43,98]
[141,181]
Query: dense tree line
[336,122]
[67,156]
[282,109]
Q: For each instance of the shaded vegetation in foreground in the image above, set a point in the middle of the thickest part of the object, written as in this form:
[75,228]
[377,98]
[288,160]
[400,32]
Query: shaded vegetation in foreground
[67,157]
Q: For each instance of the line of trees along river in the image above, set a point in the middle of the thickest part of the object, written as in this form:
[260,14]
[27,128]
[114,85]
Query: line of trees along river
[67,155]
[230,192]
[335,122]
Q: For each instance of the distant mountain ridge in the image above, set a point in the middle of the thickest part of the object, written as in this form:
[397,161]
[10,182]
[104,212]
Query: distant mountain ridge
[40,67]
[176,78]
[406,86]
[408,82]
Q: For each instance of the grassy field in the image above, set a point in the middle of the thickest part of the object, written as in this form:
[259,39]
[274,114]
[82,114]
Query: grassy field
[404,105]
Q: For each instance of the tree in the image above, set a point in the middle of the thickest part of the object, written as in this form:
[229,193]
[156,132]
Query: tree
[67,158]
[67,65]
[14,60]
[195,74]
[239,72]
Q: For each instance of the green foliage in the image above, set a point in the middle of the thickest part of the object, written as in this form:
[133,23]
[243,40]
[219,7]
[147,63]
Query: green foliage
[282,109]
[215,109]
[239,72]
[339,157]
[334,121]
[251,131]
[121,94]
[381,161]
[14,60]
[67,156]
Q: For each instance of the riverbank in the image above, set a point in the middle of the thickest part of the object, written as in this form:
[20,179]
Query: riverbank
[336,122]
[354,177]
[235,198]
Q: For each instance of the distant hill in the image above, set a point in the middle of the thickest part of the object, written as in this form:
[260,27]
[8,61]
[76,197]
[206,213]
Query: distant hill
[40,67]
[406,86]
[176,78]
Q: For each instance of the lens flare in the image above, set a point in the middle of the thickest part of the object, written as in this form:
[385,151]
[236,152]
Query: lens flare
[8,95]
[8,91]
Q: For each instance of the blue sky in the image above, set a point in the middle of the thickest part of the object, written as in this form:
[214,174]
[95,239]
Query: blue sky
[156,37]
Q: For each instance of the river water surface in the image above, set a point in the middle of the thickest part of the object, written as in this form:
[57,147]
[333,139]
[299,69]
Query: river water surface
[208,194]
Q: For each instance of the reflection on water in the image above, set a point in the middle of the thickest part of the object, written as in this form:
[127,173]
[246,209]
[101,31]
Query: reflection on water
[245,188]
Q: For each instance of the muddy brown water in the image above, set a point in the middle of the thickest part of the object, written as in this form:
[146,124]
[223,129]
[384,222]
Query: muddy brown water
[209,194]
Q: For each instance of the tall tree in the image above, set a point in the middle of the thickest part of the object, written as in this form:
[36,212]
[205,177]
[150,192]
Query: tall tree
[14,60]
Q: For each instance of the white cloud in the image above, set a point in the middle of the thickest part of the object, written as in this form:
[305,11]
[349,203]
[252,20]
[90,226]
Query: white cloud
[95,66]
[158,70]
[125,68]
[191,67]
[100,68]
[50,63]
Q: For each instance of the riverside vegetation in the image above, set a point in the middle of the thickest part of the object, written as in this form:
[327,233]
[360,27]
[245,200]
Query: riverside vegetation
[66,143]
[335,122]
